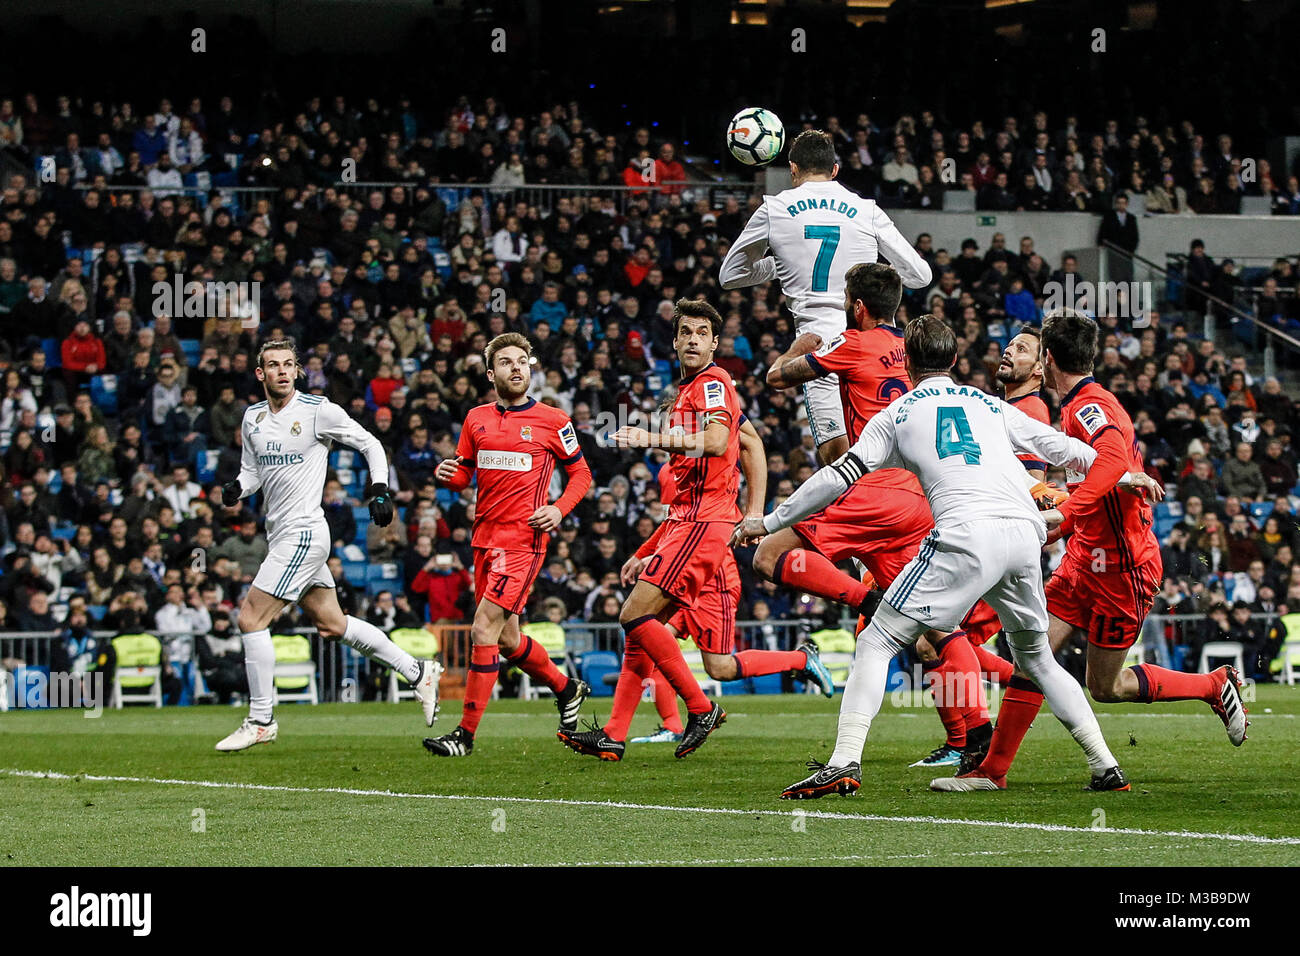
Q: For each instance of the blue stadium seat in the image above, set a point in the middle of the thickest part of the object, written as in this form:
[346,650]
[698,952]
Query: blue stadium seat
[63,532]
[355,573]
[193,348]
[97,611]
[1261,510]
[361,514]
[103,392]
[388,571]
[53,357]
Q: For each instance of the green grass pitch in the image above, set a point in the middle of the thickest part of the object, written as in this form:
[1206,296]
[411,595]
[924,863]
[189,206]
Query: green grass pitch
[350,784]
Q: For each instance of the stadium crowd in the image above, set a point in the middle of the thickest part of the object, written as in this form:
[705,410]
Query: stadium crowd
[111,518]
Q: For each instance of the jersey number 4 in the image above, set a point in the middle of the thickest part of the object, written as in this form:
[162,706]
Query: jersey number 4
[953,435]
[830,240]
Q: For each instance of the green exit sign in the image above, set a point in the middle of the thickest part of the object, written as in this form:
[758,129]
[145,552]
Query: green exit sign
[986,220]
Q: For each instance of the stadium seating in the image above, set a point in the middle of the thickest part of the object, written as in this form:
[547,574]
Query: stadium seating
[295,671]
[836,647]
[1220,651]
[421,644]
[138,670]
[551,637]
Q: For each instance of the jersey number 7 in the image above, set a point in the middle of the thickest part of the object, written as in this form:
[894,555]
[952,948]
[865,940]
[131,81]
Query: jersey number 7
[830,239]
[953,435]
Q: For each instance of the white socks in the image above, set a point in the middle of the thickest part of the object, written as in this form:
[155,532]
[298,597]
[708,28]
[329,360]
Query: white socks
[374,643]
[1033,653]
[259,663]
[865,690]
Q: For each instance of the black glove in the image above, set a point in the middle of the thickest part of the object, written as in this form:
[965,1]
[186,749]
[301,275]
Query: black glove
[231,493]
[381,505]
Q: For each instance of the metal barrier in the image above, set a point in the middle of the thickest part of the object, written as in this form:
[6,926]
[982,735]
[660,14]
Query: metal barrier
[343,675]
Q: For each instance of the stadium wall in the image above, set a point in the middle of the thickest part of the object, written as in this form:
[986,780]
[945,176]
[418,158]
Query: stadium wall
[1055,232]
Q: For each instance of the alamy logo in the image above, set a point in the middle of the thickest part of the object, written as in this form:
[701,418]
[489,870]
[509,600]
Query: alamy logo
[1125,300]
[193,299]
[76,909]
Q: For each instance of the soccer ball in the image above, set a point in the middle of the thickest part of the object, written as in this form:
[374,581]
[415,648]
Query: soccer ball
[755,136]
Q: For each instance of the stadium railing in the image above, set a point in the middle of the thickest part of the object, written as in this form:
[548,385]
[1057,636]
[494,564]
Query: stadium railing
[341,671]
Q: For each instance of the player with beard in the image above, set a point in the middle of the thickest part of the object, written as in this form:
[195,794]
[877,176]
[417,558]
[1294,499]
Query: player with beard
[286,445]
[513,445]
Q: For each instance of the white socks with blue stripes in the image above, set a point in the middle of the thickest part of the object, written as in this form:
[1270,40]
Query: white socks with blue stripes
[259,663]
[1033,653]
[865,690]
[374,643]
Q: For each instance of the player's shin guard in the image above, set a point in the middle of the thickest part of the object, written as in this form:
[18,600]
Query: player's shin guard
[662,648]
[758,663]
[484,668]
[876,647]
[963,668]
[811,571]
[531,658]
[1160,683]
[936,674]
[994,668]
[636,671]
[1033,653]
[259,663]
[665,701]
[369,640]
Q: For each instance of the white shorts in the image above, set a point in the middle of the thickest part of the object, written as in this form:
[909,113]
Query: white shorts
[296,563]
[821,396]
[996,559]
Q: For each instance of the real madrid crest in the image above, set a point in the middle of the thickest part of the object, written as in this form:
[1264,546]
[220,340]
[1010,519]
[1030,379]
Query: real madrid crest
[296,429]
[260,416]
[526,432]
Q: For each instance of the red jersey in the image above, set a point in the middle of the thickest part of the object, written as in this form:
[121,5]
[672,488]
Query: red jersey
[514,451]
[707,485]
[727,577]
[1032,405]
[870,368]
[1103,518]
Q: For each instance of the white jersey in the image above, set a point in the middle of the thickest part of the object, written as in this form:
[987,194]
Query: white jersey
[960,442]
[816,232]
[286,455]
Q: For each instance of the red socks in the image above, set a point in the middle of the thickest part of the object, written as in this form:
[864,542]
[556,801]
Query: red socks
[1020,705]
[666,703]
[662,648]
[998,669]
[531,658]
[953,721]
[483,669]
[648,645]
[1159,683]
[758,663]
[958,654]
[637,669]
[810,571]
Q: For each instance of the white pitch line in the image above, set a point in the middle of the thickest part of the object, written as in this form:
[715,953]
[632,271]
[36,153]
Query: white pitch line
[620,805]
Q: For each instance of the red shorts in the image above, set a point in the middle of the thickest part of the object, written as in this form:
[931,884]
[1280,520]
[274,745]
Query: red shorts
[981,623]
[1111,606]
[505,577]
[882,525]
[688,555]
[711,622]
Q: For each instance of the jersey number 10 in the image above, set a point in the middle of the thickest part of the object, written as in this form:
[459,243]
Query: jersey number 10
[953,435]
[830,239]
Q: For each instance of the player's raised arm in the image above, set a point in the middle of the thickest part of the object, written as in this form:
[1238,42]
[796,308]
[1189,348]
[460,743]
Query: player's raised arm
[898,252]
[745,264]
[797,365]
[875,449]
[1030,436]
[753,465]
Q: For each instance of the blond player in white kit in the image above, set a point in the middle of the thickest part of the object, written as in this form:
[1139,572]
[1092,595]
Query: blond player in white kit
[815,231]
[286,445]
[961,443]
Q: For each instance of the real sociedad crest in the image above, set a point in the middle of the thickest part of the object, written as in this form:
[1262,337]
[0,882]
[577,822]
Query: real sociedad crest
[526,433]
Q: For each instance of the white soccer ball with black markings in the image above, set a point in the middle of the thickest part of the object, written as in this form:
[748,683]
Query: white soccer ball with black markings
[755,136]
